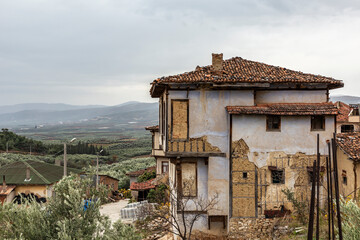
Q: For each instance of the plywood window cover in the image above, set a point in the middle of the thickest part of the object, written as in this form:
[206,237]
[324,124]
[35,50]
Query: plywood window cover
[181,182]
[313,123]
[172,121]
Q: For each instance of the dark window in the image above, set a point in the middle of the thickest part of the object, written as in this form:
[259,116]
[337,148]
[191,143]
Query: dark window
[245,175]
[355,112]
[317,123]
[164,167]
[344,177]
[278,176]
[273,123]
[347,128]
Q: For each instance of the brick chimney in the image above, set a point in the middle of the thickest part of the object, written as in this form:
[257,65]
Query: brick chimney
[4,183]
[217,59]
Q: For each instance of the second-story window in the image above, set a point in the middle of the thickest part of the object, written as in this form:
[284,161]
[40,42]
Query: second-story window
[164,166]
[180,120]
[273,123]
[317,123]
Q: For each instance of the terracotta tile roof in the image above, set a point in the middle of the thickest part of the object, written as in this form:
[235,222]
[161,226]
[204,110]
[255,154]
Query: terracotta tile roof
[350,144]
[152,128]
[141,171]
[344,111]
[286,109]
[239,70]
[142,186]
[8,189]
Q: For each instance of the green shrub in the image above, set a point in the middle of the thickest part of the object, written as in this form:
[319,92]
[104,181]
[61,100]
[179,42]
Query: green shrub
[63,217]
[301,208]
[146,176]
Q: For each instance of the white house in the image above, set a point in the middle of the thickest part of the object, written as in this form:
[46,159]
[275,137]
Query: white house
[243,130]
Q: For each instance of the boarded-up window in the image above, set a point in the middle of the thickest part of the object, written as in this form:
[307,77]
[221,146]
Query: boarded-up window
[188,179]
[180,119]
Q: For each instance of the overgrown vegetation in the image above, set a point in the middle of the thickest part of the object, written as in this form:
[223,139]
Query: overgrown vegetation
[146,176]
[118,170]
[63,217]
[301,209]
[350,219]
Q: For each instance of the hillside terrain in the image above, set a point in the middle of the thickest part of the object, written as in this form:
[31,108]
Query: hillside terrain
[35,116]
[346,99]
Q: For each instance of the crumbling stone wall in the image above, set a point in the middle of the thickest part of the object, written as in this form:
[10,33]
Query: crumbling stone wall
[255,192]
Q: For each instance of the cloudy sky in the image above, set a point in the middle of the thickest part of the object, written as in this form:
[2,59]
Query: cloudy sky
[108,51]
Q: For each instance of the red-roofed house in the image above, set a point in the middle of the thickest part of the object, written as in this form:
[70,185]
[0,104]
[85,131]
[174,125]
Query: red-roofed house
[142,189]
[348,156]
[244,130]
[348,119]
[139,191]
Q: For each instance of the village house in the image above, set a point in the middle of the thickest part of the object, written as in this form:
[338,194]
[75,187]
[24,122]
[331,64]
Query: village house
[348,156]
[348,120]
[140,190]
[242,130]
[31,178]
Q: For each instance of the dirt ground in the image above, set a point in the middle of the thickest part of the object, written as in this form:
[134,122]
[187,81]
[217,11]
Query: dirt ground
[112,210]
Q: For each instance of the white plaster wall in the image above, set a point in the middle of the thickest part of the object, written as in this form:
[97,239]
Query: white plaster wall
[218,184]
[208,117]
[10,197]
[207,113]
[291,96]
[159,161]
[295,136]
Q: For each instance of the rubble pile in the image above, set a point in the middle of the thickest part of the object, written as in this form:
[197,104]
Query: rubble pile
[261,228]
[157,227]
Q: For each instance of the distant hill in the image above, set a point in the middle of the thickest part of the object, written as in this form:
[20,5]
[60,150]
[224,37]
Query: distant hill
[346,99]
[121,114]
[43,107]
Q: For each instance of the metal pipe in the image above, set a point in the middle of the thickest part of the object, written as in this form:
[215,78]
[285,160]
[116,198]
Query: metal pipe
[337,195]
[328,197]
[331,193]
[312,205]
[317,188]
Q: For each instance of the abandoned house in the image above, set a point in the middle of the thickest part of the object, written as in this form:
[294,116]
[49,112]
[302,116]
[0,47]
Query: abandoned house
[242,130]
[31,178]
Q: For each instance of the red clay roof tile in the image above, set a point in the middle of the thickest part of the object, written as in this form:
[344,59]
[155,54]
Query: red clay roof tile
[142,185]
[344,111]
[350,144]
[239,70]
[286,109]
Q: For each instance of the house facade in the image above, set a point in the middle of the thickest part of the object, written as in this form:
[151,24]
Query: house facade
[348,120]
[242,131]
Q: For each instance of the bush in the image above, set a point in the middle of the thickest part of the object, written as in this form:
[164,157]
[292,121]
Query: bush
[146,176]
[350,219]
[158,195]
[63,217]
[300,207]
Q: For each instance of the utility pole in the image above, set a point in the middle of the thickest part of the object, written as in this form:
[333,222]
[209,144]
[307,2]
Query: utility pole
[65,161]
[65,157]
[97,169]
